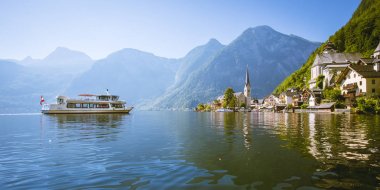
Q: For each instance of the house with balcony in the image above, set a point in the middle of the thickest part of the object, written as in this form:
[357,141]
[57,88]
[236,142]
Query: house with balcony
[330,63]
[362,79]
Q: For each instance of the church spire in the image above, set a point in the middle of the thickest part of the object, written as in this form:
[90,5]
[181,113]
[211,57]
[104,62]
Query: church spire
[247,77]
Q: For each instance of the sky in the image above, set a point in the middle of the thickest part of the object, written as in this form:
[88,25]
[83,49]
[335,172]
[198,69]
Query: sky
[167,28]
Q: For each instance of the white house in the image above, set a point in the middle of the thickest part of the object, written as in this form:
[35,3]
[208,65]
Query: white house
[330,64]
[271,100]
[362,79]
[287,96]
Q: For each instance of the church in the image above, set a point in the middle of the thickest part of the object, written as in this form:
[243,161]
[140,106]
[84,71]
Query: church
[243,97]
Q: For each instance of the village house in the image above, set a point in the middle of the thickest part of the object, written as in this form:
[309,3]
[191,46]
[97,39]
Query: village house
[362,79]
[330,63]
[271,101]
[288,96]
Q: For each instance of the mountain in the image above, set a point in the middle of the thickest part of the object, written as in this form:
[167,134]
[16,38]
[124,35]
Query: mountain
[269,55]
[64,59]
[134,75]
[196,59]
[8,70]
[23,82]
[360,34]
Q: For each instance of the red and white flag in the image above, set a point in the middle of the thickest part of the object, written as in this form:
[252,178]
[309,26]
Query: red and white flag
[42,100]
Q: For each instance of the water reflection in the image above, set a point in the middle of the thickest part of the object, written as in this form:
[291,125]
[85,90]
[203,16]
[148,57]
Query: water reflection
[269,149]
[73,127]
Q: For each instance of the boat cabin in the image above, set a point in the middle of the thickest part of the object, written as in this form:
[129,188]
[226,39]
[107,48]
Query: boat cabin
[107,98]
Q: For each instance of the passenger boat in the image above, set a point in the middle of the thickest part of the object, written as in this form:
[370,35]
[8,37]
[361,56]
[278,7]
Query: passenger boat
[86,103]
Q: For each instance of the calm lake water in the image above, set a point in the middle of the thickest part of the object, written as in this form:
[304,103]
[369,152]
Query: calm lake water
[188,150]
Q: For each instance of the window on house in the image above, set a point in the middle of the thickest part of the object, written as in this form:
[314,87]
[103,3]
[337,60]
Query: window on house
[373,90]
[361,91]
[373,81]
[354,75]
[360,83]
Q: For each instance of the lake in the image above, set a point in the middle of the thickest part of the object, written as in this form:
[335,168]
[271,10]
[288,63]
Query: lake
[189,150]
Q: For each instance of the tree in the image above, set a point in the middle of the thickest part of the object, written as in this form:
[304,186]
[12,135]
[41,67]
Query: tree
[228,97]
[200,107]
[368,105]
[320,81]
[242,105]
[333,94]
[232,103]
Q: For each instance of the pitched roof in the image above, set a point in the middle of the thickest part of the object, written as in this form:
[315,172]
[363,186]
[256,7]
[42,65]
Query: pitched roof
[367,61]
[337,58]
[247,78]
[323,106]
[366,71]
[238,93]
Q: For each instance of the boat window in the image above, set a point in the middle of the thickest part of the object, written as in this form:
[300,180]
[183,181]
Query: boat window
[103,98]
[84,105]
[91,105]
[102,106]
[70,105]
[77,106]
[117,105]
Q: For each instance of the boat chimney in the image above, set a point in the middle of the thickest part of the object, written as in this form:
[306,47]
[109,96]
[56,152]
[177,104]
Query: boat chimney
[107,92]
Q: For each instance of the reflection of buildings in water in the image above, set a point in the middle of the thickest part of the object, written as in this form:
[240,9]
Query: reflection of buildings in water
[246,130]
[86,126]
[355,140]
[241,145]
[232,123]
[336,138]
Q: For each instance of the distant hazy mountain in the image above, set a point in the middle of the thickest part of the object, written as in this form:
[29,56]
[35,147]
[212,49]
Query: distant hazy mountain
[8,70]
[194,62]
[150,81]
[134,75]
[271,56]
[63,59]
[23,83]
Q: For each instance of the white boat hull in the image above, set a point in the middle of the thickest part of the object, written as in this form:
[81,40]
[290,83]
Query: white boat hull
[86,111]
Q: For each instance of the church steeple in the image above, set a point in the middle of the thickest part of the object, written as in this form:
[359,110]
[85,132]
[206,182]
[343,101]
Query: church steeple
[247,78]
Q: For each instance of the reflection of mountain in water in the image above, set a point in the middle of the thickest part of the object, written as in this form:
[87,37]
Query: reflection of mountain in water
[87,126]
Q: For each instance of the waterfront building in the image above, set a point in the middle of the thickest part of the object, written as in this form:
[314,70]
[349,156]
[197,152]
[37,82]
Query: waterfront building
[362,79]
[330,63]
[287,96]
[271,101]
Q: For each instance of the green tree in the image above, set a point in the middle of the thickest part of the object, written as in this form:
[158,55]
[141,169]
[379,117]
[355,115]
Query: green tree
[333,94]
[207,107]
[200,107]
[319,81]
[228,97]
[368,105]
[232,103]
[242,105]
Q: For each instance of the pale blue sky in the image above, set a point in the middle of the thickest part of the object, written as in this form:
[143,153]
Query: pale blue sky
[168,28]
